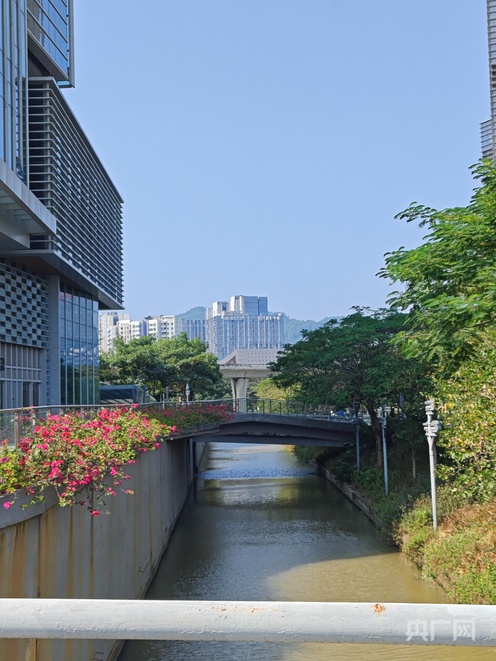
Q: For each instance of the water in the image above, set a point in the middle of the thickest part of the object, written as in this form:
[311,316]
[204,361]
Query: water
[259,525]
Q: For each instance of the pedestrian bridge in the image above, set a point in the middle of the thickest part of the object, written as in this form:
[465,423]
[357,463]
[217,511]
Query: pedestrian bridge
[277,429]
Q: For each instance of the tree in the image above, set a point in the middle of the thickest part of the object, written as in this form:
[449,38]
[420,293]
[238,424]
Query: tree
[352,361]
[448,282]
[158,364]
[467,403]
[268,389]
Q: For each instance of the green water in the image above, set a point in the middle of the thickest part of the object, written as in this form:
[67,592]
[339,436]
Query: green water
[260,526]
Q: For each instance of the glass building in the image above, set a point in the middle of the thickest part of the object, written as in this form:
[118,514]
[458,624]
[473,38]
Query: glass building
[60,217]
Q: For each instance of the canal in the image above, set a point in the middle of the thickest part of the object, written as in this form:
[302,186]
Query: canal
[259,525]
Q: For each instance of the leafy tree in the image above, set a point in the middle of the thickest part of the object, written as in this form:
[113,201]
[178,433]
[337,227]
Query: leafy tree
[449,281]
[352,361]
[468,411]
[158,364]
[268,389]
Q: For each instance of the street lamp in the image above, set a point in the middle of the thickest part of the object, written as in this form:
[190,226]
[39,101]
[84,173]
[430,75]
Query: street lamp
[356,406]
[384,450]
[431,428]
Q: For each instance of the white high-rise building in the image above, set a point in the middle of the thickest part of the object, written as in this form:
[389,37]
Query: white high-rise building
[108,328]
[243,324]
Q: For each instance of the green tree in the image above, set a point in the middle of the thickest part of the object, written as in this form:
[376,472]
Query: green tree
[268,389]
[353,361]
[467,403]
[449,281]
[158,364]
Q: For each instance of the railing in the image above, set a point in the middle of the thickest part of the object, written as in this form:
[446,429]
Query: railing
[18,423]
[288,407]
[249,621]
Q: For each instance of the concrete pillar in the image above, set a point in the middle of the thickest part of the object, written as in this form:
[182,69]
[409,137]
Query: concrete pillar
[239,387]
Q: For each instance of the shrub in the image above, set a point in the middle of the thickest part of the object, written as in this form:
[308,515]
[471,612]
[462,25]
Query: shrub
[85,460]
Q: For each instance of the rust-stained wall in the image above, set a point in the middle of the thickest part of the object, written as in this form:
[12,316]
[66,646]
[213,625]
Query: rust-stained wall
[61,552]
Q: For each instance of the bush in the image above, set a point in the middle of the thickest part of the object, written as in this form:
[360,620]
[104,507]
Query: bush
[84,460]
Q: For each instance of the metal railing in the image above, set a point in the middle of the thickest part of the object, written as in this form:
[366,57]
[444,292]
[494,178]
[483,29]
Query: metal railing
[249,621]
[18,423]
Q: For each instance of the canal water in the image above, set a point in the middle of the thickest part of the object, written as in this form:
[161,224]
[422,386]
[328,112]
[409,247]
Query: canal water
[259,525]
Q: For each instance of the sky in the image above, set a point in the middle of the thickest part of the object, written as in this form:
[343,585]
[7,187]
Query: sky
[264,147]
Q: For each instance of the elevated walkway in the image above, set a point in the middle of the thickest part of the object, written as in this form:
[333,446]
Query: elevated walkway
[244,364]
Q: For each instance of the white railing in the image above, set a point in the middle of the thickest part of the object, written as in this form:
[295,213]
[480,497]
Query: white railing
[245,621]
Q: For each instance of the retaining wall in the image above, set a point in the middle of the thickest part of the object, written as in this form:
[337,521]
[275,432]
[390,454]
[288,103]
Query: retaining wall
[49,551]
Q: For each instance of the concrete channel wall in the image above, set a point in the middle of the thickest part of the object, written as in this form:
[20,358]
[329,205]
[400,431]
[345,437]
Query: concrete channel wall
[48,551]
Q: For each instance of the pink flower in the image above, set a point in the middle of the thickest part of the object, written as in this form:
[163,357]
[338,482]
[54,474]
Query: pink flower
[95,513]
[8,504]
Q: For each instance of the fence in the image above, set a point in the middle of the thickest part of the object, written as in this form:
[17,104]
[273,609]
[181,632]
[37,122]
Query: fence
[18,423]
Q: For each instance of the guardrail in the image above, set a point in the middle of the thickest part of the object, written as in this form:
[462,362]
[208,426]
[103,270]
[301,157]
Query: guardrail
[17,423]
[249,621]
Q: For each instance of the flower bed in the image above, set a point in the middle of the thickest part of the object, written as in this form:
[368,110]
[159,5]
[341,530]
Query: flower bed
[85,460]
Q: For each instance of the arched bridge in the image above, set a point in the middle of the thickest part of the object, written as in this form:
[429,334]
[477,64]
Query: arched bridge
[276,429]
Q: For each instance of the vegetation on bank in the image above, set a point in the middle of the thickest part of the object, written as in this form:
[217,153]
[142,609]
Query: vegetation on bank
[85,459]
[437,340]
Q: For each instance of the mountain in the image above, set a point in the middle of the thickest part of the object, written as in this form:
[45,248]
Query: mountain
[193,313]
[293,327]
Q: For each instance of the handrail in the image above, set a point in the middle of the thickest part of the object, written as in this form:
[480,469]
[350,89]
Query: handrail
[14,423]
[245,621]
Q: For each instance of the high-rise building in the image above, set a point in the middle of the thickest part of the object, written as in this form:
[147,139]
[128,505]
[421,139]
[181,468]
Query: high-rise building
[488,128]
[116,324]
[60,217]
[243,324]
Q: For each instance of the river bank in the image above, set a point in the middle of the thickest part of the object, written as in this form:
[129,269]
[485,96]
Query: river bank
[460,556]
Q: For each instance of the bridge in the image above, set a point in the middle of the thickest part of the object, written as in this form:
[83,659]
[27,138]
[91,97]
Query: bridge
[278,429]
[260,421]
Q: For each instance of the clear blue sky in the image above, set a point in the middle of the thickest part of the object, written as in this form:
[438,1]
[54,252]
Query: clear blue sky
[263,147]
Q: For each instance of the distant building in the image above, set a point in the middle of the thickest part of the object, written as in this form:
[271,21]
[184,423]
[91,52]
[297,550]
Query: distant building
[129,330]
[162,326]
[488,128]
[194,328]
[113,325]
[108,328]
[244,323]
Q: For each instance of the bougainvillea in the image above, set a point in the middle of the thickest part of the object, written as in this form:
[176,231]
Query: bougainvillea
[85,459]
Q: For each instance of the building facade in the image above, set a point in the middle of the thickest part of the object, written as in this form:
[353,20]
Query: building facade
[60,218]
[244,323]
[488,128]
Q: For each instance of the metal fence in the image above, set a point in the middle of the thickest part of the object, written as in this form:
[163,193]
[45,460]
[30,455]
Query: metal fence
[18,423]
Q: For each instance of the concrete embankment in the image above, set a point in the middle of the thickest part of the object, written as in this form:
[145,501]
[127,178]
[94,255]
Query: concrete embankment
[48,551]
[352,495]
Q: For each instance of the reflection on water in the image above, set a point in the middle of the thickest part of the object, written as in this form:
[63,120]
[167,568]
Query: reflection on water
[260,526]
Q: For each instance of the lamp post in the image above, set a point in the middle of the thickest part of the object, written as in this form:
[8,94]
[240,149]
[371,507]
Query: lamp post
[356,406]
[431,428]
[384,450]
